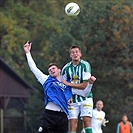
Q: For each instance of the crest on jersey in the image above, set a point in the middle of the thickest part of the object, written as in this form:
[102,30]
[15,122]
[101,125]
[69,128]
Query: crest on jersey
[75,79]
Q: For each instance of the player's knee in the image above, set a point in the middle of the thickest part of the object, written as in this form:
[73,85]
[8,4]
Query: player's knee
[87,123]
[73,124]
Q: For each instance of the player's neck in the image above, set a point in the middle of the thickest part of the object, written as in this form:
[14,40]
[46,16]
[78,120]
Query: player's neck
[124,122]
[99,110]
[75,62]
[58,78]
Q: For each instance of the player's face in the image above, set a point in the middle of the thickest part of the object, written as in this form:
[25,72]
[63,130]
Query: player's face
[75,54]
[124,118]
[99,105]
[54,71]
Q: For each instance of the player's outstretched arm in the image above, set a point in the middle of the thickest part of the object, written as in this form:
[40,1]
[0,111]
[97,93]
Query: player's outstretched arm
[80,86]
[87,90]
[38,74]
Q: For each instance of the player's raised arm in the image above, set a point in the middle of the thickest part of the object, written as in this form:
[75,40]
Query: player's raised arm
[38,74]
[27,47]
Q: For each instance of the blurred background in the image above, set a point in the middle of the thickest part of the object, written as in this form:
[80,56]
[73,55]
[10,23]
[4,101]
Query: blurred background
[103,30]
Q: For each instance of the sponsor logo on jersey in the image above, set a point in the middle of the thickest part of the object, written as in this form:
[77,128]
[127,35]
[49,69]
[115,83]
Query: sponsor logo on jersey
[87,105]
[61,85]
[100,119]
[70,108]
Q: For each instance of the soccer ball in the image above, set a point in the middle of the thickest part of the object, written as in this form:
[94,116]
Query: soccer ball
[72,9]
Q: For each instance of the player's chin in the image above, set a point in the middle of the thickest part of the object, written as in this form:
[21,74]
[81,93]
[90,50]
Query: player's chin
[75,59]
[53,75]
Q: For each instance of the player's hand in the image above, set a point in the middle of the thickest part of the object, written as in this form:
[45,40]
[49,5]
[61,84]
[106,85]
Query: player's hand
[92,79]
[27,46]
[83,131]
[69,101]
[104,122]
[65,82]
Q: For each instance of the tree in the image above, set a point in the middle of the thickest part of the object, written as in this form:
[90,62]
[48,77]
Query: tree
[105,36]
[104,32]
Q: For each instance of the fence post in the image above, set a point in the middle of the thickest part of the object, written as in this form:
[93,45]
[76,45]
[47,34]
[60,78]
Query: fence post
[25,125]
[2,120]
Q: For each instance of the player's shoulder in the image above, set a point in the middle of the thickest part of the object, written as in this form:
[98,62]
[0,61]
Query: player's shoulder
[84,62]
[103,112]
[66,66]
[130,122]
[94,110]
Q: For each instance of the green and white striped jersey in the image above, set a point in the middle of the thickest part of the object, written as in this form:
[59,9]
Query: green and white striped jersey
[77,74]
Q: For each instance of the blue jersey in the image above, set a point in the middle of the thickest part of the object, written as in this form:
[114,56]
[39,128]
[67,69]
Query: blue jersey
[54,90]
[57,92]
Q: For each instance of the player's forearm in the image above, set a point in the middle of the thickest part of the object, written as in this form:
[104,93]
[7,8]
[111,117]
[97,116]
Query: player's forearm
[31,62]
[81,86]
[84,92]
[38,74]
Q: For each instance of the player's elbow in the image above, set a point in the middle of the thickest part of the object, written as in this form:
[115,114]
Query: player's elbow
[84,85]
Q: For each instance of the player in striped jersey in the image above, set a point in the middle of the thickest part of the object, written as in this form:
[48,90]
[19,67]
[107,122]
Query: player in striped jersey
[78,72]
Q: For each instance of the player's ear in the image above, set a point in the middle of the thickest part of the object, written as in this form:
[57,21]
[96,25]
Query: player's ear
[59,70]
[70,55]
[81,54]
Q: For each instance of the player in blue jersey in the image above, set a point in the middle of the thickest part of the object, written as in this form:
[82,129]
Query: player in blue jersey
[54,118]
[78,71]
[57,96]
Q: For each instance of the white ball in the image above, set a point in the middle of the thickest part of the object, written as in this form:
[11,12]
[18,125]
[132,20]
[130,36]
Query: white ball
[72,9]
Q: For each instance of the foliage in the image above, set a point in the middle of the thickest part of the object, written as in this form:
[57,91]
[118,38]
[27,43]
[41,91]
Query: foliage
[13,112]
[103,30]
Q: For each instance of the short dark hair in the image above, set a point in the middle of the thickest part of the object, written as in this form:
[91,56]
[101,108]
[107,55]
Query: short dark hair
[74,46]
[124,115]
[53,64]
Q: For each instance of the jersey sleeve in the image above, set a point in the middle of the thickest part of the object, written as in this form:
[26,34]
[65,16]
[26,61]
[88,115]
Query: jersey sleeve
[103,119]
[118,128]
[63,73]
[84,92]
[86,71]
[86,76]
[131,127]
[38,74]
